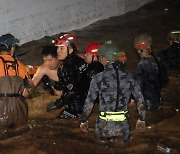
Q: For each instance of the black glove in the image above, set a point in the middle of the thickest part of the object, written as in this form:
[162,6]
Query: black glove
[47,84]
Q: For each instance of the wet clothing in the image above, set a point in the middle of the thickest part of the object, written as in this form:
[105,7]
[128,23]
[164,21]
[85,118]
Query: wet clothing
[171,57]
[13,80]
[94,68]
[113,99]
[72,75]
[147,76]
[49,83]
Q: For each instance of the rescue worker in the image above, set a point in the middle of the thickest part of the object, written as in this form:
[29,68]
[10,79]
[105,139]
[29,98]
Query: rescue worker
[47,72]
[147,72]
[16,84]
[114,86]
[72,75]
[94,66]
[171,56]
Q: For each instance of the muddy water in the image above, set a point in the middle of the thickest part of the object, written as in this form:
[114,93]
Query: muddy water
[50,135]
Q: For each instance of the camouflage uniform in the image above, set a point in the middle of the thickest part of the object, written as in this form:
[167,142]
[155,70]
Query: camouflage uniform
[105,84]
[146,73]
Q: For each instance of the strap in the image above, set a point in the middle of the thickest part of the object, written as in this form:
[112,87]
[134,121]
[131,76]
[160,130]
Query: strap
[113,113]
[5,69]
[118,85]
[14,65]
[10,95]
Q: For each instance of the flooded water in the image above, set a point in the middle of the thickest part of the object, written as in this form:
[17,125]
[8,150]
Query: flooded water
[47,134]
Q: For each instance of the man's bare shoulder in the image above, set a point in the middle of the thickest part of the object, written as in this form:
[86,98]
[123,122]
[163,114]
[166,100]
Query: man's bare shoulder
[43,69]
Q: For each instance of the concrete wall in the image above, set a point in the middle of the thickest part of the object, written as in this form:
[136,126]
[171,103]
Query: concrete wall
[32,19]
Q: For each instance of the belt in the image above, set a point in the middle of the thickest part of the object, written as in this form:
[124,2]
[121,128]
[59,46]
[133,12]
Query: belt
[113,116]
[10,95]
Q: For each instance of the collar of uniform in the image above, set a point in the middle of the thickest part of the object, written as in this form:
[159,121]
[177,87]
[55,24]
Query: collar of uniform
[109,66]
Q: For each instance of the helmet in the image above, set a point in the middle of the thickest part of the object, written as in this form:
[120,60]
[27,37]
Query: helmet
[174,36]
[143,42]
[67,39]
[111,52]
[7,41]
[122,56]
[92,48]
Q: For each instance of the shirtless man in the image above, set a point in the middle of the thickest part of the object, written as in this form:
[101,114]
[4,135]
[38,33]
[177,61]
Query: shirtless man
[48,69]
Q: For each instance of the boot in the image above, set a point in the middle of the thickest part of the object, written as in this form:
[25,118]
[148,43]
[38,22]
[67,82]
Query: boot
[55,105]
[66,115]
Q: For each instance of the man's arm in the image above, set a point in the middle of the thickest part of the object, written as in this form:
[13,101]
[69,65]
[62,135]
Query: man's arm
[139,75]
[136,91]
[38,75]
[140,124]
[89,103]
[91,97]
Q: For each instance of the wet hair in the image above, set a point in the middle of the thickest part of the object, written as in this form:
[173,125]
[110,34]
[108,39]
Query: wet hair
[49,50]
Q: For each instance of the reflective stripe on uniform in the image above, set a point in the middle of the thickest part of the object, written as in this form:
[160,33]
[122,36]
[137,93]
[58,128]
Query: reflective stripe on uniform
[113,116]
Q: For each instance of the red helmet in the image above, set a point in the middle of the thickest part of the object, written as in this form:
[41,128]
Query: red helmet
[92,48]
[66,39]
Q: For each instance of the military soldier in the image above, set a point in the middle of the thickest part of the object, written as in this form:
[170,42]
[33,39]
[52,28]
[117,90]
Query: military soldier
[171,56]
[114,87]
[16,84]
[72,74]
[147,72]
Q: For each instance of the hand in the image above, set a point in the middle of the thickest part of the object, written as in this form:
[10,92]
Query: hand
[132,102]
[84,127]
[140,126]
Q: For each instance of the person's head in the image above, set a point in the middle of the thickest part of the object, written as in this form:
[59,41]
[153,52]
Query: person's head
[174,37]
[67,44]
[91,52]
[109,53]
[8,43]
[143,45]
[49,54]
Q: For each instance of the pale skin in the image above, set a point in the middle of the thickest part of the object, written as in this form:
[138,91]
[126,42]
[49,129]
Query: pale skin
[88,58]
[62,52]
[49,68]
[103,60]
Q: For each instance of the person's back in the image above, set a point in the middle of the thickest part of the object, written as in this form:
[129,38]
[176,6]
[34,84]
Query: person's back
[108,88]
[12,84]
[114,87]
[15,86]
[147,72]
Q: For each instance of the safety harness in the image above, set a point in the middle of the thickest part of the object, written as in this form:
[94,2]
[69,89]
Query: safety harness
[116,115]
[14,66]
